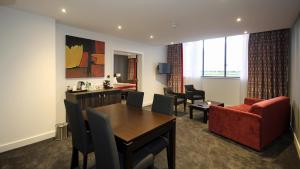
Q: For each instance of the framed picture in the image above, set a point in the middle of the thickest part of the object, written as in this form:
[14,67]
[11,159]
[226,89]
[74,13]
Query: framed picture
[84,57]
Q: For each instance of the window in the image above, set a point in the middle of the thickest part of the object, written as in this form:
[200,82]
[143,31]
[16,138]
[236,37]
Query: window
[234,53]
[192,52]
[214,50]
[220,57]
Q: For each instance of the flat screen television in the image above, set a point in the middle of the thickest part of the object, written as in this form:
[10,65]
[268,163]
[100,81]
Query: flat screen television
[164,68]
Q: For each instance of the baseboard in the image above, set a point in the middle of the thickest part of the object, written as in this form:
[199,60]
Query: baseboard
[147,104]
[297,145]
[27,141]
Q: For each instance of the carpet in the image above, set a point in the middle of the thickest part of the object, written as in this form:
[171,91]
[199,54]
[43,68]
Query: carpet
[196,148]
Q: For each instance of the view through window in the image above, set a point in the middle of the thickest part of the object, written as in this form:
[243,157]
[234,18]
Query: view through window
[222,57]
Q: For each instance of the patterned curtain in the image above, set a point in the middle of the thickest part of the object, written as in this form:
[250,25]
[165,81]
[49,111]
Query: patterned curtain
[131,69]
[175,59]
[268,64]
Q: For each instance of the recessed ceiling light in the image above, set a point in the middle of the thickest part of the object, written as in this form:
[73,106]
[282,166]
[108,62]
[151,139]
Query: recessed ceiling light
[119,27]
[245,32]
[63,10]
[151,37]
[239,19]
[172,43]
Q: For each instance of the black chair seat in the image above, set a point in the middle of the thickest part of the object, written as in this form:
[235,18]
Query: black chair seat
[180,100]
[193,94]
[198,97]
[81,135]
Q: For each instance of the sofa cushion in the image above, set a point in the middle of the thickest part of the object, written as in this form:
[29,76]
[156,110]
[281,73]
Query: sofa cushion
[242,107]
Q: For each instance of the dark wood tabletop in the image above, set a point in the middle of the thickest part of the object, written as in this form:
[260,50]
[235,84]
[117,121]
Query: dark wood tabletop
[129,123]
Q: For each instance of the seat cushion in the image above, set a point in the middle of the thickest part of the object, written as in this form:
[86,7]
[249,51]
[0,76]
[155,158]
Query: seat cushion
[242,107]
[196,97]
[180,100]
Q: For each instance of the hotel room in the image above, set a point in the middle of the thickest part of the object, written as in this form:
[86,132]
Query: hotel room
[155,84]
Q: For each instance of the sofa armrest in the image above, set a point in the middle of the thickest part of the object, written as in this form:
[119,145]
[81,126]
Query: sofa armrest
[250,101]
[242,127]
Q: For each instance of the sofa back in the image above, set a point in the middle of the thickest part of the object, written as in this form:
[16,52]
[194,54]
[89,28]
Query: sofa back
[277,104]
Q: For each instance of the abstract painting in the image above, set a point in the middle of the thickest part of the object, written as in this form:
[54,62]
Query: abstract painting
[84,57]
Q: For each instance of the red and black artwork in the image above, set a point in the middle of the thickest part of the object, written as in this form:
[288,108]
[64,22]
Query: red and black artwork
[84,57]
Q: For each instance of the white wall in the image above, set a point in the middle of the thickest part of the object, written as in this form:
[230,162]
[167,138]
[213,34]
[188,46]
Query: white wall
[151,56]
[27,71]
[294,87]
[226,90]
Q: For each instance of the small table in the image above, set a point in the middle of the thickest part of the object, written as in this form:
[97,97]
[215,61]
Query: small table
[203,107]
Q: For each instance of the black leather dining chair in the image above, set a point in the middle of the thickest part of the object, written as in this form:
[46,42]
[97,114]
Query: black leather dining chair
[164,105]
[193,94]
[81,136]
[106,152]
[135,98]
[179,98]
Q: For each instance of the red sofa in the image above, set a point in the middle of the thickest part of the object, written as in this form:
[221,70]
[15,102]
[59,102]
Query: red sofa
[256,123]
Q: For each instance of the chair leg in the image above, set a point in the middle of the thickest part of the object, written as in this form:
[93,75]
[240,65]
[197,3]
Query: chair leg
[175,110]
[84,164]
[168,158]
[192,101]
[74,160]
[184,105]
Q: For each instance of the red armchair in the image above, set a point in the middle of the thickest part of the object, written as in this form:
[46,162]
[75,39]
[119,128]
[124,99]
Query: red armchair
[256,123]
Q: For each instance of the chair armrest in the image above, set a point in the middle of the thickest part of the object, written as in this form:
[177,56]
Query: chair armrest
[146,163]
[240,126]
[189,94]
[201,92]
[250,101]
[180,95]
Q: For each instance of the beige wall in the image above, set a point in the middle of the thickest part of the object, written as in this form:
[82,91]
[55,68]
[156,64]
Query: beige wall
[226,90]
[27,71]
[295,78]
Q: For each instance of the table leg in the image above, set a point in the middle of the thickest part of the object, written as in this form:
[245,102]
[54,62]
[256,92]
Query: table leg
[128,164]
[205,116]
[191,113]
[74,160]
[172,146]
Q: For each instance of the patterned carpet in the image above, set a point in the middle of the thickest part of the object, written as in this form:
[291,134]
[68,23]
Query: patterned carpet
[196,148]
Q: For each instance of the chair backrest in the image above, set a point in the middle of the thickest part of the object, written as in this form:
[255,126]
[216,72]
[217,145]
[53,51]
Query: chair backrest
[168,90]
[135,99]
[163,104]
[105,150]
[189,87]
[78,129]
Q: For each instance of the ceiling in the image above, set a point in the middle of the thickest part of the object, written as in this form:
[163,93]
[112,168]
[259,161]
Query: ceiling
[194,19]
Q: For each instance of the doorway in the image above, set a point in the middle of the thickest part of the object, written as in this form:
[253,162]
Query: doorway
[127,71]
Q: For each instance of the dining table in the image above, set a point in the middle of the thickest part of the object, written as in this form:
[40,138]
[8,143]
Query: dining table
[135,127]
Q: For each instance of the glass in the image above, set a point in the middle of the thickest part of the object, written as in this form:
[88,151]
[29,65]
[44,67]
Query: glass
[214,57]
[234,54]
